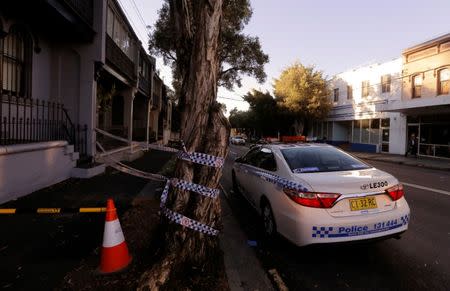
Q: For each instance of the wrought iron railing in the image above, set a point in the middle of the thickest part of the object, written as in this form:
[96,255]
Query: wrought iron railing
[26,120]
[84,8]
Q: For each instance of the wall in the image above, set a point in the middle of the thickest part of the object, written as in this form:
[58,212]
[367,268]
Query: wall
[431,58]
[364,107]
[397,133]
[22,167]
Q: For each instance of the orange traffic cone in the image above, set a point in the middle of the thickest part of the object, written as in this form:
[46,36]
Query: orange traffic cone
[115,256]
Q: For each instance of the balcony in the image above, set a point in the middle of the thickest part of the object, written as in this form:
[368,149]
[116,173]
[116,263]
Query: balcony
[119,60]
[84,9]
[144,85]
[156,102]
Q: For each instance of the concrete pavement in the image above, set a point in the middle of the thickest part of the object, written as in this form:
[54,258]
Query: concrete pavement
[429,163]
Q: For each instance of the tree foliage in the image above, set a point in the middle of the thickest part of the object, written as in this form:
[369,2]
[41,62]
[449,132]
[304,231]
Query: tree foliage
[303,91]
[263,118]
[239,53]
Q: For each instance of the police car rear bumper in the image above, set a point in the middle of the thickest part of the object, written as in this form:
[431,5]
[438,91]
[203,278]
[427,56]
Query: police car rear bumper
[347,229]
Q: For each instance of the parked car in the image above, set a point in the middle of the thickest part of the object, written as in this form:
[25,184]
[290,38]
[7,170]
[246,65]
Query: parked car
[238,140]
[315,193]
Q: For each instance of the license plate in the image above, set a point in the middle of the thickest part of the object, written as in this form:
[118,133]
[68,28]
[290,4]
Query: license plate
[363,203]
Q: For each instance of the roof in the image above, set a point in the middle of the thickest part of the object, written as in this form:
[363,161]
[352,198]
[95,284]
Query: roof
[429,43]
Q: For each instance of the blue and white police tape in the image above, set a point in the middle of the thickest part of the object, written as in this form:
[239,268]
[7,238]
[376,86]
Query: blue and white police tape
[198,158]
[181,219]
[202,190]
[190,223]
[280,182]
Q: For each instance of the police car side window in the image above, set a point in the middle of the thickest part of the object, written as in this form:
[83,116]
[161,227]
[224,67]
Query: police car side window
[264,159]
[267,162]
[247,158]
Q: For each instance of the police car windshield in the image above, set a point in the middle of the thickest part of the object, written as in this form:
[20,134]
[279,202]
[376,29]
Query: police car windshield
[320,159]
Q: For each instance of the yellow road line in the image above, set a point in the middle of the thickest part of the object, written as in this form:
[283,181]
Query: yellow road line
[48,210]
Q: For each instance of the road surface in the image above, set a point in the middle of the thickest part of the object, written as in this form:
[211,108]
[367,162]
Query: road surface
[418,261]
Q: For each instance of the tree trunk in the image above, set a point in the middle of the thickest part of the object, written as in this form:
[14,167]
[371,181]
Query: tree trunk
[203,129]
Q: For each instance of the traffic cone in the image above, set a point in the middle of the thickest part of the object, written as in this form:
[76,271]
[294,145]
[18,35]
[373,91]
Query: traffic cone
[115,256]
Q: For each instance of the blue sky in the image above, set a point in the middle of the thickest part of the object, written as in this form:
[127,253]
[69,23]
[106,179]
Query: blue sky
[332,35]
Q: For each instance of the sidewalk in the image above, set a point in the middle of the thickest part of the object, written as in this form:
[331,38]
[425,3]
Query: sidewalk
[423,162]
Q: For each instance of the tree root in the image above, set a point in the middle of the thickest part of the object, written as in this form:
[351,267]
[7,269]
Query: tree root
[159,274]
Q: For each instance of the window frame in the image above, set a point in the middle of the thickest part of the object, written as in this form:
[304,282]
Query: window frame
[386,83]
[439,81]
[365,88]
[336,95]
[415,87]
[349,92]
[16,54]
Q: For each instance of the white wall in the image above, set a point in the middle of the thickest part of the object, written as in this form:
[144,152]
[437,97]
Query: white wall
[30,167]
[365,107]
[340,132]
[397,133]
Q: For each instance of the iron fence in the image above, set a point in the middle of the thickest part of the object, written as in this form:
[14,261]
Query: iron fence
[27,120]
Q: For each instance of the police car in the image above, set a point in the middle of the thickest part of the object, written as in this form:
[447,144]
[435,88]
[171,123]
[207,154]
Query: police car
[315,193]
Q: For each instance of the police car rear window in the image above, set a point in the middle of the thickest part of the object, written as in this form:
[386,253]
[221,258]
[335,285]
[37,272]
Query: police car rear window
[320,159]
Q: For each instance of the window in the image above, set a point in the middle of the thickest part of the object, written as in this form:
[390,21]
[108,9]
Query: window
[374,131]
[261,158]
[386,83]
[365,130]
[349,92]
[356,131]
[444,82]
[365,88]
[320,159]
[417,86]
[336,95]
[16,54]
[119,33]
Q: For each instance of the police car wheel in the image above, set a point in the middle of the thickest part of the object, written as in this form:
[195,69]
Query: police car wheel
[270,228]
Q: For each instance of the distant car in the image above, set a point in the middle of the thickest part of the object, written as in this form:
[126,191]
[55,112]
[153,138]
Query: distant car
[315,193]
[238,140]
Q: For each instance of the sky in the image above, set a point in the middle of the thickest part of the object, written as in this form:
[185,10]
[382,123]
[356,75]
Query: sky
[334,36]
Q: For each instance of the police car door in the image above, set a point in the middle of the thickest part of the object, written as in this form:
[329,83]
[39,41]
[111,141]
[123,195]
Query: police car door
[262,161]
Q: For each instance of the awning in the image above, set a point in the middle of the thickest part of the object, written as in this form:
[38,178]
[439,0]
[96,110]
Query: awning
[418,106]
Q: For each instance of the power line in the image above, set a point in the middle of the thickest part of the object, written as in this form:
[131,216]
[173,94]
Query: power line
[229,98]
[139,13]
[130,19]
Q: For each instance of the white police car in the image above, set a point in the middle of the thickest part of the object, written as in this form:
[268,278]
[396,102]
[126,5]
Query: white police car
[316,193]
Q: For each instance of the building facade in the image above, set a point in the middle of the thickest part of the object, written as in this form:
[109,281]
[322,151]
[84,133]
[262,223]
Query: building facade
[425,100]
[68,67]
[354,123]
[376,108]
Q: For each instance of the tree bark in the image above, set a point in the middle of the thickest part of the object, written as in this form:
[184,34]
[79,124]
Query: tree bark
[204,129]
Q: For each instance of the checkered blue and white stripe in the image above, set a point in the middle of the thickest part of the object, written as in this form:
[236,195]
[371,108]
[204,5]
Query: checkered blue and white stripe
[202,190]
[198,158]
[405,219]
[202,159]
[181,219]
[281,182]
[321,231]
[190,223]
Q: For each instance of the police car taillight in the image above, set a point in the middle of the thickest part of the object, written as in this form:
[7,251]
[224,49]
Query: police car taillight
[312,199]
[396,192]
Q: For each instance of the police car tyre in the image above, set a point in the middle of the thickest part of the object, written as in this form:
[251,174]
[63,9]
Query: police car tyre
[270,228]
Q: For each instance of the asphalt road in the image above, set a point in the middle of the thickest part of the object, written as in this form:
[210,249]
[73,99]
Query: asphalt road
[420,260]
